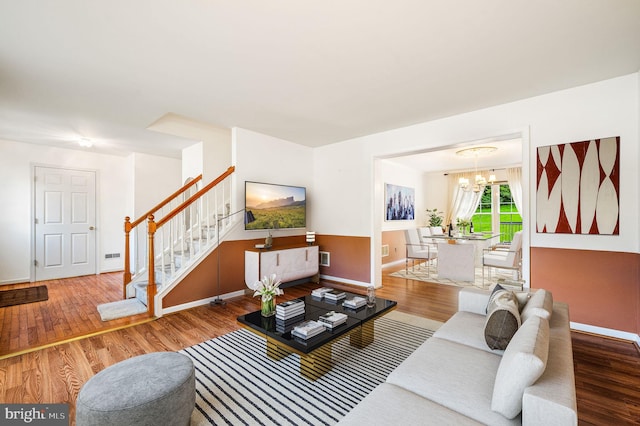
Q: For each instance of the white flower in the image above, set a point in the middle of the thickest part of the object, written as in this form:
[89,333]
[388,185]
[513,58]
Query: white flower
[268,286]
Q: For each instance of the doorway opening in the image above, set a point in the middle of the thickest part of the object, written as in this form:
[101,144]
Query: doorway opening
[432,190]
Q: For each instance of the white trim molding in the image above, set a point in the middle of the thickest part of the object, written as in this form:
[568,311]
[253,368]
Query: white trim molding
[200,302]
[624,335]
[345,280]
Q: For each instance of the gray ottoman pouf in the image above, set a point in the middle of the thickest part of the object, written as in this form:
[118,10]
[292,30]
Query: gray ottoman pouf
[152,389]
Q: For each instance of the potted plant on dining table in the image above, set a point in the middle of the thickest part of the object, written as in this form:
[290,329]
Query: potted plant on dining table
[463,224]
[435,218]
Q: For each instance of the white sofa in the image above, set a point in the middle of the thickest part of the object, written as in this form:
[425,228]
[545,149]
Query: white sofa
[455,378]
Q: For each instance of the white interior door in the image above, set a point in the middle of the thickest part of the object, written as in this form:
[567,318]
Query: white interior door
[65,218]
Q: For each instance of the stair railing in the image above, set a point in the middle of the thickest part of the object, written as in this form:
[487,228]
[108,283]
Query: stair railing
[160,209]
[176,240]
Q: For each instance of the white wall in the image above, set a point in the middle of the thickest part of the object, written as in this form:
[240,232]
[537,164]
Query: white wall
[637,158]
[342,190]
[436,192]
[16,163]
[607,108]
[598,110]
[214,152]
[192,161]
[216,155]
[154,179]
[262,158]
[115,199]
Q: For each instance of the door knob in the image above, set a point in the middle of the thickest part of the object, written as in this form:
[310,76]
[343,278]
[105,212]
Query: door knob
[91,228]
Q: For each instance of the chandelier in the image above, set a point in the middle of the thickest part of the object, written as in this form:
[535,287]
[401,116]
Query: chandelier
[480,181]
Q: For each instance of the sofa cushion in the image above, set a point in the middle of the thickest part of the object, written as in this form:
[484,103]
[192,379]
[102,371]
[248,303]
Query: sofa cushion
[522,364]
[466,328]
[552,398]
[523,298]
[473,300]
[503,319]
[540,304]
[391,405]
[453,375]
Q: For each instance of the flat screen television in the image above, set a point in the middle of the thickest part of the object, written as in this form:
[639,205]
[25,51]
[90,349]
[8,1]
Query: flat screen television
[273,206]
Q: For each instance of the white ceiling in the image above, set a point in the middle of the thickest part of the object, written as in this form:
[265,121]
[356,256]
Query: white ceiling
[508,153]
[309,72]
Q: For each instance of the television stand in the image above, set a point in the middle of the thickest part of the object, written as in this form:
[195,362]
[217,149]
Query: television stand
[289,264]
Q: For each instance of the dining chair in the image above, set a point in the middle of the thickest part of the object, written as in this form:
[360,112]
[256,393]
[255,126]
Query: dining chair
[504,259]
[416,249]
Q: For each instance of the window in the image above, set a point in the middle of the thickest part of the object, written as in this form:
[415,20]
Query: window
[497,211]
[482,218]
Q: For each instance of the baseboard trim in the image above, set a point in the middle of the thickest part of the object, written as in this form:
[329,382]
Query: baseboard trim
[195,303]
[19,281]
[624,335]
[344,280]
[110,270]
[394,263]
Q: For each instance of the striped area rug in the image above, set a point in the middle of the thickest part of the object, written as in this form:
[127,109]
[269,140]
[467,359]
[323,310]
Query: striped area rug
[237,384]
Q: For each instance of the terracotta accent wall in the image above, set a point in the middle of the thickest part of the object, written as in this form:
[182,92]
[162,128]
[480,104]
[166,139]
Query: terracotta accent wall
[350,257]
[396,242]
[202,283]
[602,288]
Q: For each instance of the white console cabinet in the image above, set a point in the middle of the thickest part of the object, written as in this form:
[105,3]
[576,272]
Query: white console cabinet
[288,264]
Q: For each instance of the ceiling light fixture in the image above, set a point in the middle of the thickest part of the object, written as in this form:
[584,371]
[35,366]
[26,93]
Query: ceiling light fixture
[85,142]
[480,181]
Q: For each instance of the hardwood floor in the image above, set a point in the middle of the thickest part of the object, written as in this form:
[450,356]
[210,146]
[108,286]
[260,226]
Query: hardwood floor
[70,312]
[607,370]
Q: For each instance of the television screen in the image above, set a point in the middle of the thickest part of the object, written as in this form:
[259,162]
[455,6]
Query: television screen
[271,206]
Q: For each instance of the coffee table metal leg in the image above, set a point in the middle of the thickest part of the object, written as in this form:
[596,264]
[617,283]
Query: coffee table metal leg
[364,335]
[275,352]
[315,364]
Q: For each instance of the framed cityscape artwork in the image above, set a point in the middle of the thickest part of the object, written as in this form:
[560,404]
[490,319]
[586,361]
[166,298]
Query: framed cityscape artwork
[399,202]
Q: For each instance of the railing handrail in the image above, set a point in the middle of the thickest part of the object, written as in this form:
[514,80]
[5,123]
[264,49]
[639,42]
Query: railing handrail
[130,226]
[194,197]
[154,227]
[165,201]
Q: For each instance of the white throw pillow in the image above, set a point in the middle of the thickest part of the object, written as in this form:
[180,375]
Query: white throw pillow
[522,364]
[523,297]
[540,304]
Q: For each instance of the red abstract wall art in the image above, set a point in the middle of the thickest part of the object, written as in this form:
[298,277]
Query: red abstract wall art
[578,188]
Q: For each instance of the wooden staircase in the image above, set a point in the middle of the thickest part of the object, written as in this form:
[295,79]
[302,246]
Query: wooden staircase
[180,232]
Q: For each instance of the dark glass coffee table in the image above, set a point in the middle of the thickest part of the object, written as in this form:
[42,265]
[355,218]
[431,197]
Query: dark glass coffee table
[315,352]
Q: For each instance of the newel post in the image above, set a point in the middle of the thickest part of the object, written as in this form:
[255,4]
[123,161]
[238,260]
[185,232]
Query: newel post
[127,262]
[151,287]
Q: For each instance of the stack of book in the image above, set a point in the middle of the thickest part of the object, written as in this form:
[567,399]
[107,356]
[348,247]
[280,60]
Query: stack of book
[334,296]
[332,319]
[318,293]
[355,302]
[307,330]
[286,325]
[289,309]
[289,314]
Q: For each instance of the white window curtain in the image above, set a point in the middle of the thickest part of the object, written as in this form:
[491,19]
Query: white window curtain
[462,204]
[514,177]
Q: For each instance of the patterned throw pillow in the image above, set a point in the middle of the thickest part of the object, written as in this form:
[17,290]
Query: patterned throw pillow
[503,319]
